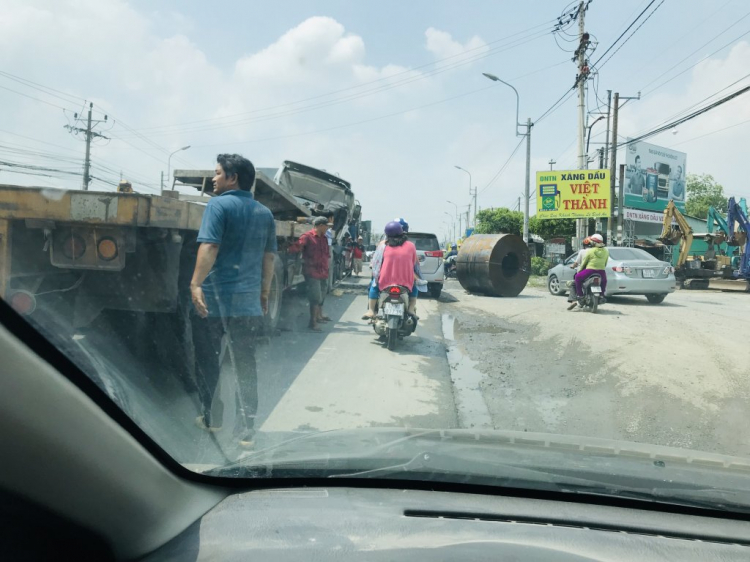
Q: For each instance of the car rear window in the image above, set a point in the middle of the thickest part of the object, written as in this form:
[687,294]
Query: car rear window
[425,242]
[630,254]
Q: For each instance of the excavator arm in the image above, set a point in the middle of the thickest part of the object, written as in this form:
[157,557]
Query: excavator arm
[674,234]
[713,218]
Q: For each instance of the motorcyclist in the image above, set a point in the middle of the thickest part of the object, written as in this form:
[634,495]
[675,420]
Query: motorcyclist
[449,262]
[398,256]
[594,262]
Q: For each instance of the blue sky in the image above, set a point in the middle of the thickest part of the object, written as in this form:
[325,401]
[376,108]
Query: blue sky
[388,94]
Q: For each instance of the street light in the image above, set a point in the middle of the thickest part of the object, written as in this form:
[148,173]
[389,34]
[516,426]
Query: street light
[453,222]
[474,193]
[588,139]
[528,125]
[458,216]
[169,161]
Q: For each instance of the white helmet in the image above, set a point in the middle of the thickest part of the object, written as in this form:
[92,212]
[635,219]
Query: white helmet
[597,238]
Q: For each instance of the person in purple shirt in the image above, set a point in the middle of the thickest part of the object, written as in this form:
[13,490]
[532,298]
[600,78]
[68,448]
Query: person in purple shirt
[230,289]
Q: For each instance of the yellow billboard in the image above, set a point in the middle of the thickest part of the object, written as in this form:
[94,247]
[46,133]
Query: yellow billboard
[572,194]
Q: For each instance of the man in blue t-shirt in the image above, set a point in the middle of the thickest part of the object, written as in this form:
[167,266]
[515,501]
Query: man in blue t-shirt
[230,289]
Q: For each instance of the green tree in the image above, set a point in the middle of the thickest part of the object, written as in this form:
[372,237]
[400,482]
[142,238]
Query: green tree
[703,192]
[552,228]
[499,221]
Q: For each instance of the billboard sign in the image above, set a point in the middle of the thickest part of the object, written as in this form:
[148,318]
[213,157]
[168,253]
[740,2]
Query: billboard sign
[572,194]
[653,176]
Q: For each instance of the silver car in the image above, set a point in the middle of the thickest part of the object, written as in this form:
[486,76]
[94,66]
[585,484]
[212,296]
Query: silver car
[430,260]
[630,271]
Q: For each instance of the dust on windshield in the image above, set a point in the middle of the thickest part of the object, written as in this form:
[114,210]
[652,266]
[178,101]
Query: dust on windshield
[308,242]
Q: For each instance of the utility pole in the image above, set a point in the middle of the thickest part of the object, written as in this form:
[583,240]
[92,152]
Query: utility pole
[601,157]
[613,169]
[583,71]
[551,163]
[526,187]
[613,173]
[90,134]
[162,180]
[606,140]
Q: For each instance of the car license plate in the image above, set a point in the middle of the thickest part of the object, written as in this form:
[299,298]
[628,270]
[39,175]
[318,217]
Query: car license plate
[393,309]
[648,272]
[596,289]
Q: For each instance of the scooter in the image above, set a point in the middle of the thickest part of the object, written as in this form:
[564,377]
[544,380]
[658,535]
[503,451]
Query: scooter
[393,321]
[450,267]
[592,292]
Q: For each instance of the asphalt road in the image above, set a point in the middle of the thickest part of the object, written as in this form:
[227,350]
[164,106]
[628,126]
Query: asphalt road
[671,374]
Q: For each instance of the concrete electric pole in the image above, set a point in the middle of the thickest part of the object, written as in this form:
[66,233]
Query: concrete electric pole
[90,134]
[583,71]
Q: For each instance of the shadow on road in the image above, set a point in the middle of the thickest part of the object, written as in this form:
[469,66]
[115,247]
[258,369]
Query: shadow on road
[640,301]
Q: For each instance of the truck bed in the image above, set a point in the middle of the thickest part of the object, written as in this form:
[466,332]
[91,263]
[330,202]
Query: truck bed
[112,208]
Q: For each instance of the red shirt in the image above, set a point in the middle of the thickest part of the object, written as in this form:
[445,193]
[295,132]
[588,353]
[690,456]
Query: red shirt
[314,254]
[398,266]
[356,251]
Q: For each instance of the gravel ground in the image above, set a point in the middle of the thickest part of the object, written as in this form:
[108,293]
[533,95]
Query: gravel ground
[672,374]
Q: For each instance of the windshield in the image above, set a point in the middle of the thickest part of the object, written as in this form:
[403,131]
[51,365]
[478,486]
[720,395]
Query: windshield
[221,215]
[425,242]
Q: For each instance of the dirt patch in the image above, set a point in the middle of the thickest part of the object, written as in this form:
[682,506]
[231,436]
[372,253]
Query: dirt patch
[547,372]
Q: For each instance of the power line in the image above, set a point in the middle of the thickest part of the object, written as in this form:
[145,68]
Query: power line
[698,61]
[712,132]
[502,169]
[407,80]
[624,32]
[345,125]
[183,129]
[555,106]
[33,98]
[630,36]
[689,117]
[69,98]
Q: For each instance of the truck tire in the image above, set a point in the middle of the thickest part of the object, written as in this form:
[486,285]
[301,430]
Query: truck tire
[277,294]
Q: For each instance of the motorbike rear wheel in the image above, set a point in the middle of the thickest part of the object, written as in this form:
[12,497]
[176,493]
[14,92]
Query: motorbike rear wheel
[594,303]
[391,338]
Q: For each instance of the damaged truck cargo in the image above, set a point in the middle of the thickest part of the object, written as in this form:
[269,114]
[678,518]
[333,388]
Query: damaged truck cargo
[120,260]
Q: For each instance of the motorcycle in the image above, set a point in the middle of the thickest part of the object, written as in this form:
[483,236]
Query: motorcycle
[592,292]
[450,267]
[393,320]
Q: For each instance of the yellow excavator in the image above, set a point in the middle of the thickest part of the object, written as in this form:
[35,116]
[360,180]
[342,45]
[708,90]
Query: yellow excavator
[690,274]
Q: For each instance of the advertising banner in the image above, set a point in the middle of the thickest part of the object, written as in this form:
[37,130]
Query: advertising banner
[653,176]
[643,216]
[572,194]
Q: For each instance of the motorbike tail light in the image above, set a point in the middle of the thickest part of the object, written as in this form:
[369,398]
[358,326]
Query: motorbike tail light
[395,291]
[437,254]
[596,281]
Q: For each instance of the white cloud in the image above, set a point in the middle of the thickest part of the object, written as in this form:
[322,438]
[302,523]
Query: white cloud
[720,154]
[442,45]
